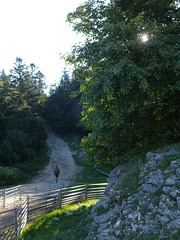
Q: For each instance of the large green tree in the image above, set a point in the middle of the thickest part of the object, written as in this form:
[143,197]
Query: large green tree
[131,92]
[22,130]
[28,86]
[63,109]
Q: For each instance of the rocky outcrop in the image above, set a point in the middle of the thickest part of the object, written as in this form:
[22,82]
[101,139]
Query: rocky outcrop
[153,210]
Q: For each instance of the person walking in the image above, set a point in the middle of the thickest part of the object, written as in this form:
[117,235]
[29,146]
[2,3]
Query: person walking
[56,173]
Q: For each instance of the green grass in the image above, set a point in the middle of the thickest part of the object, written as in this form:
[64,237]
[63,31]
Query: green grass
[128,184]
[74,227]
[86,175]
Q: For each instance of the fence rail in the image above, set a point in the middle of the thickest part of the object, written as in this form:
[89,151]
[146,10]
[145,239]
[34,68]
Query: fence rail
[12,195]
[9,196]
[13,221]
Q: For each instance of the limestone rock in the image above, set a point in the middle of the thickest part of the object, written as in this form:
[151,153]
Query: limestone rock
[55,219]
[153,208]
[171,181]
[69,214]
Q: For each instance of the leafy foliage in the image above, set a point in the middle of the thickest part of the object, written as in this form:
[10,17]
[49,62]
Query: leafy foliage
[63,109]
[22,130]
[15,148]
[11,175]
[131,89]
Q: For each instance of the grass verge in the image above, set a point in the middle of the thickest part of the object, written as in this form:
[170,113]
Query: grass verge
[57,225]
[87,175]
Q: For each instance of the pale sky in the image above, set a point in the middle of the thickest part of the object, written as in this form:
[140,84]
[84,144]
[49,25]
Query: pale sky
[36,31]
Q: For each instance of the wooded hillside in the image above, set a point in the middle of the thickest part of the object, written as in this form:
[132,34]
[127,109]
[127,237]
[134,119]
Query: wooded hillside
[25,114]
[22,131]
[124,92]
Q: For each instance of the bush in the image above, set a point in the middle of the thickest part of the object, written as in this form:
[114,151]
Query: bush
[23,171]
[11,176]
[36,164]
[15,148]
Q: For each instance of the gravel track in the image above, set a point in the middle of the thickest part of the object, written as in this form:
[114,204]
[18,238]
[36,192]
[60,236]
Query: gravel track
[61,156]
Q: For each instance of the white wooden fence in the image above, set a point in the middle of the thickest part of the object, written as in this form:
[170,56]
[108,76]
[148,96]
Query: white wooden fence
[10,196]
[13,221]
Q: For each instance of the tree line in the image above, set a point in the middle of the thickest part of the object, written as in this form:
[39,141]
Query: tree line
[63,108]
[26,112]
[22,132]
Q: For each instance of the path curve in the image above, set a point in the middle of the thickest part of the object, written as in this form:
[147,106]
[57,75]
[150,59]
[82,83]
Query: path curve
[61,156]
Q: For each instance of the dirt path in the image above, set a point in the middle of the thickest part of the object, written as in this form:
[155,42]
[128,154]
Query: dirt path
[61,156]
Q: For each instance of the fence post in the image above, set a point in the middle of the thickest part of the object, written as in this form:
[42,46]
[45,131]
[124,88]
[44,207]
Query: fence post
[20,192]
[60,197]
[15,224]
[15,193]
[4,198]
[36,189]
[86,191]
[27,202]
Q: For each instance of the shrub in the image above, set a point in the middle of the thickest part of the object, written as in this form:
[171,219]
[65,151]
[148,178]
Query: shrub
[15,148]
[11,176]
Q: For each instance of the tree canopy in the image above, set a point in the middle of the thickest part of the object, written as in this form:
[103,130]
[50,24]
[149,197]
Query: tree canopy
[131,91]
[22,130]
[63,109]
